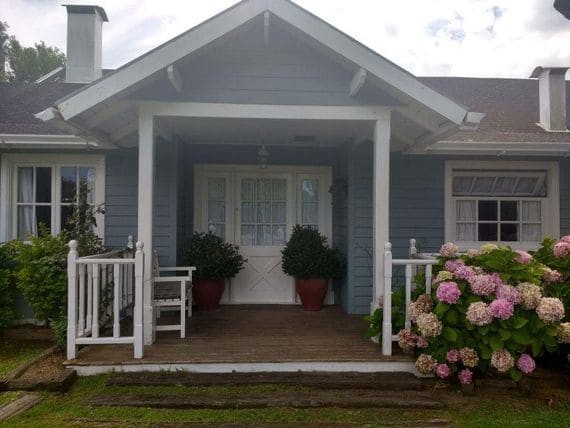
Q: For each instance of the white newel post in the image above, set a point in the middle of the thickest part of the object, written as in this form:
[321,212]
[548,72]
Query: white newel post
[381,202]
[387,301]
[72,300]
[139,301]
[145,216]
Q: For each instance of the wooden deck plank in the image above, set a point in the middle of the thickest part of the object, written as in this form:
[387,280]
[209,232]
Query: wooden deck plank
[251,334]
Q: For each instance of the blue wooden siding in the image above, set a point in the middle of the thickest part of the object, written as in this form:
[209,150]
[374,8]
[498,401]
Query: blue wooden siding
[121,196]
[565,197]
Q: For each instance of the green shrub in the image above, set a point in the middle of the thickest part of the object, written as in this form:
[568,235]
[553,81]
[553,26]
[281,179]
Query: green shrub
[8,269]
[212,257]
[307,255]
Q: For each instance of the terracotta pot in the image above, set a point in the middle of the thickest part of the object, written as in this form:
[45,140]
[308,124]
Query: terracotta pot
[208,292]
[312,292]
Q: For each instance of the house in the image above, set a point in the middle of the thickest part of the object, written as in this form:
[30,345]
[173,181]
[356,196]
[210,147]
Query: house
[265,116]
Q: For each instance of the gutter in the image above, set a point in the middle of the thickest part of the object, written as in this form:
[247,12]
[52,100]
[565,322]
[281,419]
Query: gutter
[42,141]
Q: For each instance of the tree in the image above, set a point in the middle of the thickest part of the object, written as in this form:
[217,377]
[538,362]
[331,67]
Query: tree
[26,64]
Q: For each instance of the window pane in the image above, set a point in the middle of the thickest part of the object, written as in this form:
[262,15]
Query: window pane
[466,232]
[466,211]
[247,235]
[509,232]
[310,191]
[310,213]
[279,190]
[26,184]
[531,211]
[483,185]
[247,189]
[488,232]
[43,184]
[509,210]
[531,233]
[462,185]
[68,184]
[66,212]
[279,234]
[264,212]
[264,236]
[279,212]
[216,188]
[505,186]
[216,211]
[526,186]
[247,212]
[217,229]
[43,217]
[26,222]
[487,210]
[87,179]
[264,189]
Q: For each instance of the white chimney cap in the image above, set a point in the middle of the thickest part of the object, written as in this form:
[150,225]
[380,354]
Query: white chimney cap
[86,8]
[555,70]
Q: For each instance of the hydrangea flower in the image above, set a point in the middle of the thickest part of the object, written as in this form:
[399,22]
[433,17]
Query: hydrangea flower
[565,239]
[482,284]
[448,292]
[469,357]
[426,364]
[478,314]
[550,310]
[508,292]
[472,253]
[449,249]
[502,360]
[530,295]
[407,340]
[452,356]
[442,371]
[464,272]
[551,275]
[563,332]
[501,308]
[429,325]
[523,257]
[422,342]
[443,275]
[465,376]
[561,249]
[526,364]
[422,305]
[487,248]
[453,265]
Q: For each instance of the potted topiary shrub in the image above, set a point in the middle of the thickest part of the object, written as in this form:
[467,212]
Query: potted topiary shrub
[215,261]
[309,259]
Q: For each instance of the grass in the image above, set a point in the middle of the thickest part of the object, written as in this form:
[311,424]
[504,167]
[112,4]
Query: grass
[70,410]
[6,397]
[14,353]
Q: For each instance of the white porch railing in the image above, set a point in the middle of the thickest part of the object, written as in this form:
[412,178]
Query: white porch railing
[90,303]
[410,268]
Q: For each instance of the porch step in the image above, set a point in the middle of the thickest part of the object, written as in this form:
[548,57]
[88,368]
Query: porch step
[346,398]
[388,381]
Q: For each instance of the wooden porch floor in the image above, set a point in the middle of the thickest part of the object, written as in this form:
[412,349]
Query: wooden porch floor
[254,334]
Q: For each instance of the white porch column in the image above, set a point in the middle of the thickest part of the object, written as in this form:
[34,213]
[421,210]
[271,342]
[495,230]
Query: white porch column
[381,202]
[145,216]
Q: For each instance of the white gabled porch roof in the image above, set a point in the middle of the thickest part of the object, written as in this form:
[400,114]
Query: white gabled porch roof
[421,104]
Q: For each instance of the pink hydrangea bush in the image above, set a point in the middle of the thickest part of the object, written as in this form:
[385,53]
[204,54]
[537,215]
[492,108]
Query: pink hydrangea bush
[487,311]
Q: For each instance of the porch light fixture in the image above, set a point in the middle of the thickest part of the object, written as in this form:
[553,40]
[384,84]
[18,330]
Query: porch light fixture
[262,157]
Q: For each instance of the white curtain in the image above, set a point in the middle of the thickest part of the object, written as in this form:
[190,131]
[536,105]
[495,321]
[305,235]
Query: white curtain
[532,219]
[26,213]
[466,213]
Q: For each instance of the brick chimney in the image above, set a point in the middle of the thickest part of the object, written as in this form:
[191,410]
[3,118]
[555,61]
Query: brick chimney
[552,97]
[84,43]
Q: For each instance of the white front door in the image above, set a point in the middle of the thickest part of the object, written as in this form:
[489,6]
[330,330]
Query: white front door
[257,209]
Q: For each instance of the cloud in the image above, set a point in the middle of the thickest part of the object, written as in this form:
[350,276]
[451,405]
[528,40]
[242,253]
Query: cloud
[447,37]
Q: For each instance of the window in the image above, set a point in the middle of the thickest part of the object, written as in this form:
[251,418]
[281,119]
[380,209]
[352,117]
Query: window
[42,189]
[513,206]
[310,202]
[216,194]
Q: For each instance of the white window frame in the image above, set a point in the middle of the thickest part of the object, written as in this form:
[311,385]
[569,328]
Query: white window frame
[8,189]
[550,204]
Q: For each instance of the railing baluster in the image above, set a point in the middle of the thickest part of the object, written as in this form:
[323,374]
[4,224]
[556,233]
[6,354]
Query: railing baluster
[387,301]
[116,300]
[95,311]
[89,318]
[428,278]
[81,299]
[138,310]
[408,292]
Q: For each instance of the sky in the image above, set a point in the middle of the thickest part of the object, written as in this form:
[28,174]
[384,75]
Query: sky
[480,38]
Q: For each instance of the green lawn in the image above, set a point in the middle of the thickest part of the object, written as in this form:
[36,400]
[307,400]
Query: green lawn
[13,353]
[69,410]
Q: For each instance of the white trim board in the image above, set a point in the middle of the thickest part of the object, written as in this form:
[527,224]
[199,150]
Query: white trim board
[285,367]
[33,141]
[223,23]
[496,148]
[551,204]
